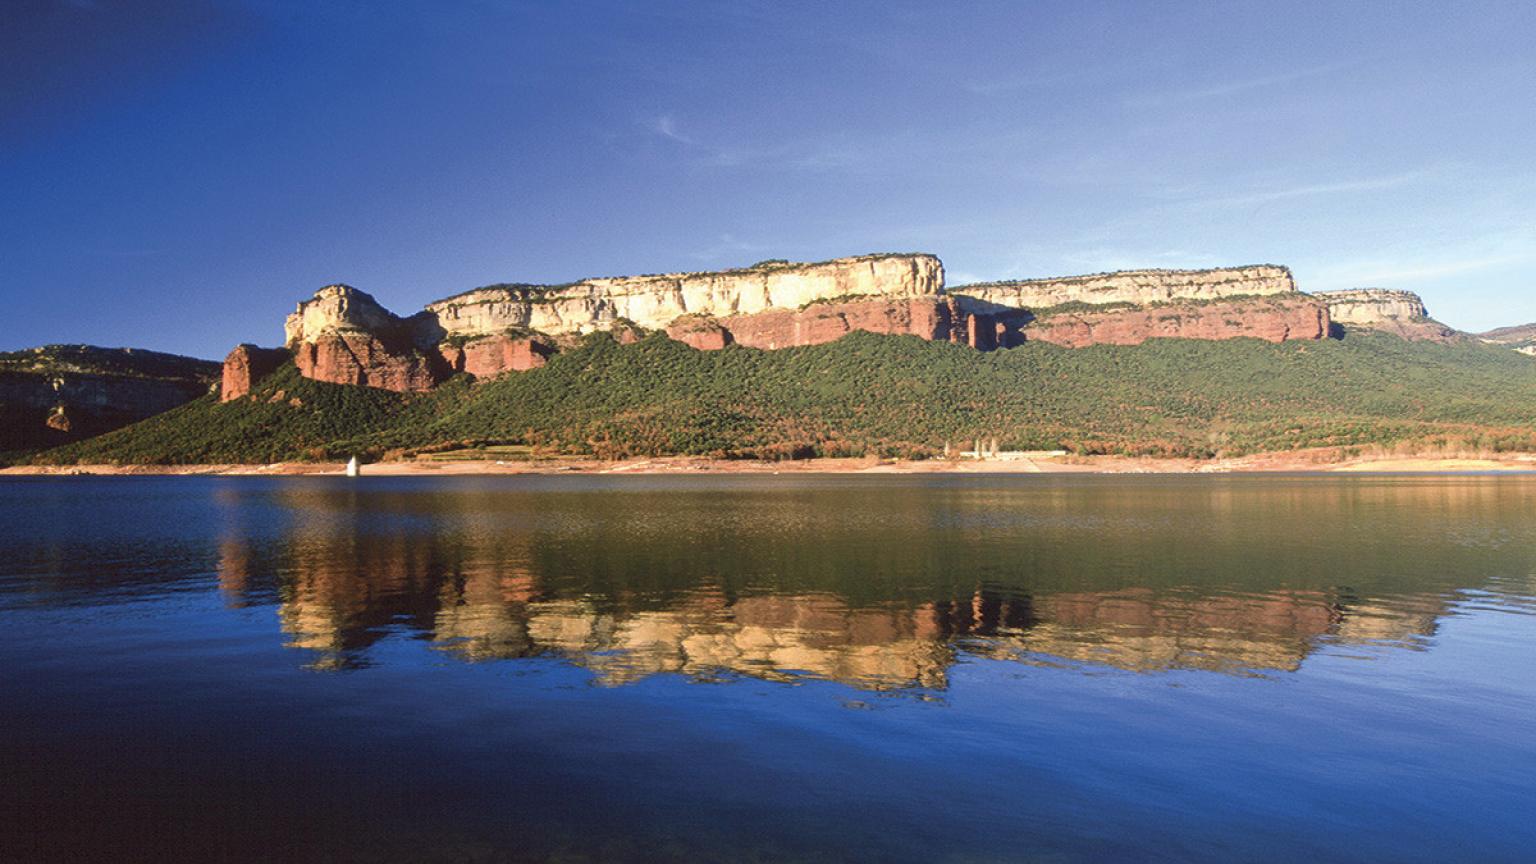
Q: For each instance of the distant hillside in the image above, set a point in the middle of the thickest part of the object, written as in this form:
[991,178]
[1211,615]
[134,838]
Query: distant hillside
[873,394]
[1521,337]
[60,393]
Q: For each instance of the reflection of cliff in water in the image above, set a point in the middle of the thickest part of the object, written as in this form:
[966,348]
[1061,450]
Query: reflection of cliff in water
[340,597]
[877,584]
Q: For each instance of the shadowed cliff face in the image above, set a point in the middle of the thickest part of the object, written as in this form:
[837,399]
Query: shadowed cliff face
[61,393]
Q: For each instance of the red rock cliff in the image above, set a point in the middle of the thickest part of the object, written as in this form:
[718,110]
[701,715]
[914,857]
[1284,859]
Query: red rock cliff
[493,355]
[1273,319]
[247,365]
[928,318]
[360,358]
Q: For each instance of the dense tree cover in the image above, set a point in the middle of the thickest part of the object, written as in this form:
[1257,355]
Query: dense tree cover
[886,395]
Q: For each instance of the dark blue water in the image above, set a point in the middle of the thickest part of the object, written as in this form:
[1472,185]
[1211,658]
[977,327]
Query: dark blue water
[768,669]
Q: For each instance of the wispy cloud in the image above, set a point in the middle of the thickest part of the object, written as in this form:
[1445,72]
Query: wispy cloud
[1308,190]
[1232,88]
[666,126]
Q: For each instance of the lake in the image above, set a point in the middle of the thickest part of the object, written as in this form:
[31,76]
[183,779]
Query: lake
[759,668]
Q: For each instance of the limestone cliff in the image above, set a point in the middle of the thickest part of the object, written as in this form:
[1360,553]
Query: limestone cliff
[1399,312]
[335,308]
[656,301]
[1273,319]
[1373,305]
[60,393]
[344,336]
[1137,287]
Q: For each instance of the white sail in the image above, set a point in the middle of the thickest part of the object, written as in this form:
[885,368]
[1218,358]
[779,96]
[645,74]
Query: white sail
[352,467]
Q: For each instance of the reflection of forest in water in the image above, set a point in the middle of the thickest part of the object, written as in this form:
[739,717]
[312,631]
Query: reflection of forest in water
[880,585]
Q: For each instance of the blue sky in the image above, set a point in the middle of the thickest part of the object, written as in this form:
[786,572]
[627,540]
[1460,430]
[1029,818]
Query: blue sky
[176,175]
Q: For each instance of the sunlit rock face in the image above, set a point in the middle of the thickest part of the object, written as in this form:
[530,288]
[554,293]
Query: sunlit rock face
[364,359]
[344,336]
[490,356]
[1273,319]
[335,308]
[817,323]
[1373,305]
[1398,312]
[656,301]
[1138,287]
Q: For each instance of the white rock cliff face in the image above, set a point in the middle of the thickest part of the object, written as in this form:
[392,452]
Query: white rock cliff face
[1140,287]
[1365,306]
[656,301]
[650,301]
[335,307]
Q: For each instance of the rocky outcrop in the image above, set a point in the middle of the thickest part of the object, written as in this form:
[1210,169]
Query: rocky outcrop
[656,301]
[699,331]
[1373,305]
[493,355]
[928,318]
[1136,287]
[1401,313]
[368,360]
[245,366]
[1273,319]
[61,393]
[336,308]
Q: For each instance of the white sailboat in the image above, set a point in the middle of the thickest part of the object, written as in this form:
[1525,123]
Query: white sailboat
[352,467]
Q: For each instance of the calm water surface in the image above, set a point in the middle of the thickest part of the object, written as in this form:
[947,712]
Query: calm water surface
[766,669]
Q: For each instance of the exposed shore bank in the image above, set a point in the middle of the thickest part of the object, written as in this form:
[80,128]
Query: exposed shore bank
[1300,461]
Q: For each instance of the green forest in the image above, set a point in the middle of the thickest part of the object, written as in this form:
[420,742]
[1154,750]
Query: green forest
[890,396]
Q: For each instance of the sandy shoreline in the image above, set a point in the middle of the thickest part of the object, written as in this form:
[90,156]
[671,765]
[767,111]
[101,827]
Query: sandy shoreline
[1318,461]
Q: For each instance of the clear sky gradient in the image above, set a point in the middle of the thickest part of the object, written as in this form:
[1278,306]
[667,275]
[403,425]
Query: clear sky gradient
[176,175]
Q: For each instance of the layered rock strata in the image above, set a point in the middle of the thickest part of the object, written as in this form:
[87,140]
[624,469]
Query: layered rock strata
[493,355]
[344,336]
[1137,287]
[365,359]
[928,318]
[1401,313]
[1273,319]
[654,302]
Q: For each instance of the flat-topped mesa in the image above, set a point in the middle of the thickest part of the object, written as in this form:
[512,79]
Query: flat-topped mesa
[1373,305]
[1398,312]
[654,302]
[1139,287]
